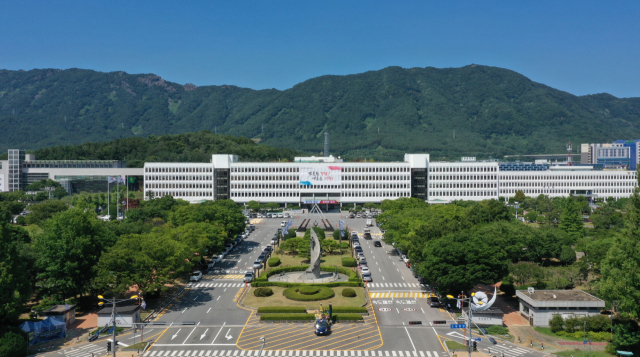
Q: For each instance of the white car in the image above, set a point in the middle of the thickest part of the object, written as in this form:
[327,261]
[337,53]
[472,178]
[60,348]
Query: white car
[366,277]
[356,244]
[364,269]
[283,223]
[405,259]
[286,215]
[196,276]
[280,215]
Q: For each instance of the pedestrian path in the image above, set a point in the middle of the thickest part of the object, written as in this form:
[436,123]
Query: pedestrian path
[394,285]
[287,353]
[504,350]
[224,276]
[97,349]
[401,295]
[218,285]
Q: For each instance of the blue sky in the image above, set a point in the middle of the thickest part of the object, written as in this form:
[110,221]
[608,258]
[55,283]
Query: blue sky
[582,47]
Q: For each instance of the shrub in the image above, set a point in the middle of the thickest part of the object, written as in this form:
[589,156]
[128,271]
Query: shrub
[349,309]
[282,310]
[348,292]
[263,292]
[323,294]
[12,344]
[497,330]
[556,323]
[308,290]
[348,262]
[287,317]
[346,317]
[273,262]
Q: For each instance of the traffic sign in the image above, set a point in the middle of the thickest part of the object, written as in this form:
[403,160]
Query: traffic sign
[458,325]
[477,339]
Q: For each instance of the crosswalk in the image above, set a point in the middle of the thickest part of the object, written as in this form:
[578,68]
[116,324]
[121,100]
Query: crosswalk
[401,295]
[395,285]
[498,350]
[224,276]
[287,353]
[86,350]
[218,285]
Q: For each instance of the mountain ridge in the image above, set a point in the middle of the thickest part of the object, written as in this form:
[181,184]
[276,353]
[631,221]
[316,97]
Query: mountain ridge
[493,111]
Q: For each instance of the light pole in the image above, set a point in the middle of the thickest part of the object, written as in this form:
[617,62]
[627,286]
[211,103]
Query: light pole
[113,315]
[261,347]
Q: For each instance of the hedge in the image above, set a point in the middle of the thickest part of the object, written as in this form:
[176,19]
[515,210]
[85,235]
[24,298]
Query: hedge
[352,284]
[273,262]
[348,262]
[288,317]
[323,294]
[346,317]
[349,309]
[282,310]
[263,292]
[348,292]
[497,330]
[350,273]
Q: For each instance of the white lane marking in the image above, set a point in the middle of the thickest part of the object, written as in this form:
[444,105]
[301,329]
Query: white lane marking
[406,284]
[174,336]
[397,310]
[422,310]
[218,298]
[208,310]
[185,309]
[214,339]
[225,289]
[203,334]
[195,298]
[383,278]
[185,340]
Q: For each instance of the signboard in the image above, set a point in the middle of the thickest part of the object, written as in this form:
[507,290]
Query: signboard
[458,325]
[320,175]
[477,339]
[311,202]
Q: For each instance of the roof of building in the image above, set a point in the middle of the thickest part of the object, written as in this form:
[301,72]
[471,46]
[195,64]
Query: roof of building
[119,309]
[491,310]
[558,295]
[60,309]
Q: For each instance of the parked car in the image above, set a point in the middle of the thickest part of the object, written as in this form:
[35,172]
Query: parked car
[364,269]
[268,249]
[196,276]
[280,215]
[363,263]
[257,264]
[286,215]
[405,259]
[352,216]
[358,250]
[366,277]
[360,256]
[356,244]
[248,277]
[322,327]
[377,244]
[434,302]
[358,215]
[367,236]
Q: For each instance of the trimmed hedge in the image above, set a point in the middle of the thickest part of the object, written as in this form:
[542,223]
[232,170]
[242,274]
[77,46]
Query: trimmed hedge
[348,292]
[346,317]
[323,294]
[263,292]
[353,284]
[273,262]
[348,262]
[308,290]
[282,310]
[287,317]
[349,310]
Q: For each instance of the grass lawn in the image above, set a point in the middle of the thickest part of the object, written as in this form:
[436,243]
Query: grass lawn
[547,331]
[293,260]
[578,353]
[277,299]
[137,346]
[453,345]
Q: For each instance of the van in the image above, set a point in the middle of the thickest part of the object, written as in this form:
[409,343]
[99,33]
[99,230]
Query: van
[369,223]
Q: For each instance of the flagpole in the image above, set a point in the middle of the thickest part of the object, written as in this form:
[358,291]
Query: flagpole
[126,179]
[108,197]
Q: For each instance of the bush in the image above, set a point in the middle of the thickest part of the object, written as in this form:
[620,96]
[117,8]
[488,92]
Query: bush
[273,262]
[497,330]
[556,323]
[353,284]
[348,262]
[12,344]
[323,294]
[348,309]
[352,275]
[348,292]
[346,317]
[263,292]
[287,317]
[282,310]
[308,290]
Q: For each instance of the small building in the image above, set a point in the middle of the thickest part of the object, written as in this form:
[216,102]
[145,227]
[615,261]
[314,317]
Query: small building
[488,317]
[65,313]
[539,306]
[125,315]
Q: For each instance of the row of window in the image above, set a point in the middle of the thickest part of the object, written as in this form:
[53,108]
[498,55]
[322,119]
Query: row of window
[462,185]
[569,177]
[551,190]
[463,169]
[463,193]
[178,185]
[178,169]
[178,178]
[567,184]
[389,194]
[461,177]
[297,169]
[183,193]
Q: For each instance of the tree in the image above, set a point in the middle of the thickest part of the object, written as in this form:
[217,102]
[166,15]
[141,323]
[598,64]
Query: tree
[567,255]
[330,245]
[13,342]
[68,251]
[149,261]
[526,272]
[570,219]
[292,244]
[42,211]
[556,323]
[201,238]
[519,197]
[253,205]
[14,279]
[531,216]
[59,192]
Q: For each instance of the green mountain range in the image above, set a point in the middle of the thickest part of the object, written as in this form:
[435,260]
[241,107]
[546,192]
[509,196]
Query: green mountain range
[470,111]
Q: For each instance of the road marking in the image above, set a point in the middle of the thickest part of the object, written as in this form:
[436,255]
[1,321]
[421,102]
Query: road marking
[185,309]
[208,310]
[197,297]
[203,334]
[174,336]
[218,298]
[422,309]
[403,279]
[225,289]
[214,339]
[383,278]
[185,340]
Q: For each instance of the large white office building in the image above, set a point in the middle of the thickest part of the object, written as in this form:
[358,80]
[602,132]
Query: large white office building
[332,182]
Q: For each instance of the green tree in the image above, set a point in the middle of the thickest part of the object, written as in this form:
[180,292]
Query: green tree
[42,211]
[567,255]
[201,238]
[59,192]
[531,216]
[519,197]
[292,244]
[253,205]
[570,219]
[149,261]
[14,278]
[556,323]
[13,343]
[526,272]
[330,245]
[68,251]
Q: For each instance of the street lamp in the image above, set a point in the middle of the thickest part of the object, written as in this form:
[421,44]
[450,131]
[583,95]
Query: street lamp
[113,314]
[263,342]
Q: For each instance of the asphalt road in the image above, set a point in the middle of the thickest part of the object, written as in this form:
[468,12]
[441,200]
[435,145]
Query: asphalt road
[206,320]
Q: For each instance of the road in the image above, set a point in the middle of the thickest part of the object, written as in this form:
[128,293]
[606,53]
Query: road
[206,320]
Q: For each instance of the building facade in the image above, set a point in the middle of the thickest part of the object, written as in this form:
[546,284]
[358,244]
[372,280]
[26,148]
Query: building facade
[539,306]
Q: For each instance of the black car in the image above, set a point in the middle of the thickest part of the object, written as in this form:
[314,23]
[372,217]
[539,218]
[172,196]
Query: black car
[267,249]
[359,250]
[377,244]
[261,257]
[434,302]
[367,236]
[322,327]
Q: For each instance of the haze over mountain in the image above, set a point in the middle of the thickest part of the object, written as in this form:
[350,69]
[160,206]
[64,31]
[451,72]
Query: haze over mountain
[380,114]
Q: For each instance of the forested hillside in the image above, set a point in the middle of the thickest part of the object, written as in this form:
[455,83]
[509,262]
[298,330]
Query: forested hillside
[191,147]
[380,114]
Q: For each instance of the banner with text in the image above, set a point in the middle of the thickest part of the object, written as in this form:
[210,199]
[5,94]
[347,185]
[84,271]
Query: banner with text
[320,175]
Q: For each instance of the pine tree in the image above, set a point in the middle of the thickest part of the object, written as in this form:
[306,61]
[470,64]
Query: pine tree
[570,219]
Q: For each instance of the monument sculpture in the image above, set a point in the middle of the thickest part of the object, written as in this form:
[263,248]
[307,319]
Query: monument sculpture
[313,272]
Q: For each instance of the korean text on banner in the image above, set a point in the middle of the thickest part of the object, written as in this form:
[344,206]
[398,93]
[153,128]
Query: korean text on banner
[320,175]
